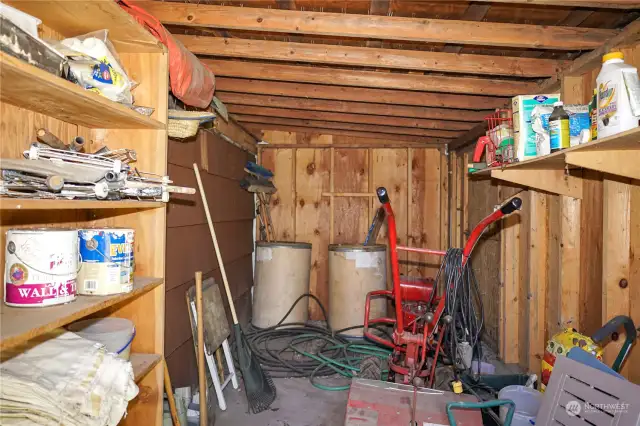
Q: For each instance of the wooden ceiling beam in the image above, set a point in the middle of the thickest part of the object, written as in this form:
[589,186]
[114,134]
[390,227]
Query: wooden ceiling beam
[371,57]
[361,108]
[415,123]
[614,4]
[374,79]
[390,139]
[358,94]
[445,134]
[379,27]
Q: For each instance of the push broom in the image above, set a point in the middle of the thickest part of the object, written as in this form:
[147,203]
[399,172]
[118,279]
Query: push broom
[259,387]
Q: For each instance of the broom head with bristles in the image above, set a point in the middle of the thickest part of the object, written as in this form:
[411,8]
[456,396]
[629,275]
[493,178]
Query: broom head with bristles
[261,391]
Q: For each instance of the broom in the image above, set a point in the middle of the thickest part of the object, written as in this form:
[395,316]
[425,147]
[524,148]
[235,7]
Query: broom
[259,387]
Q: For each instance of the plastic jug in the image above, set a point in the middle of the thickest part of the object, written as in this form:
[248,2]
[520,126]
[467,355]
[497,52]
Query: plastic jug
[617,86]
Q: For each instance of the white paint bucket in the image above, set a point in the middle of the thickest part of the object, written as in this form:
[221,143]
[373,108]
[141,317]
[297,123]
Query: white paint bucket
[41,267]
[107,261]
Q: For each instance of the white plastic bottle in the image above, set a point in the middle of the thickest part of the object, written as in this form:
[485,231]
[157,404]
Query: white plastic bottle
[614,108]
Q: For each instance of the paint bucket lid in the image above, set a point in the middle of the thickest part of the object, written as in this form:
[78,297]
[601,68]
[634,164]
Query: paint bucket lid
[285,244]
[357,247]
[114,333]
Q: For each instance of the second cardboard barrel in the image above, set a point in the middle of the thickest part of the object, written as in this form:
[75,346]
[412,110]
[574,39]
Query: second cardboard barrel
[354,271]
[281,276]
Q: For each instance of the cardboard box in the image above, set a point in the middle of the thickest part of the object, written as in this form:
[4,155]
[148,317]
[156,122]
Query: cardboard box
[524,136]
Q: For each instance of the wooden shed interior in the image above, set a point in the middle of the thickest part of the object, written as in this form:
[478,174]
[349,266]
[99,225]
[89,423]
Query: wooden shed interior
[338,98]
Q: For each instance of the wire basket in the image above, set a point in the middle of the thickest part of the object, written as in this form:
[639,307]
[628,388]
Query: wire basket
[184,124]
[500,125]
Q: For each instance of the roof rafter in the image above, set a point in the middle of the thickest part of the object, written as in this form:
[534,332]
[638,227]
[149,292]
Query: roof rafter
[379,27]
[342,77]
[360,108]
[415,123]
[358,94]
[370,57]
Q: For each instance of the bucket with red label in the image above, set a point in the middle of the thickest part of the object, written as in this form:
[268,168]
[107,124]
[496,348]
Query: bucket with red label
[41,267]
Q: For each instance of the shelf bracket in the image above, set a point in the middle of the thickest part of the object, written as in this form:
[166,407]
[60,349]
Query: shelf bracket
[550,180]
[616,162]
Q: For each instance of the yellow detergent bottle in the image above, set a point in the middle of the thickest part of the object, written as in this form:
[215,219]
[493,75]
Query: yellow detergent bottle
[618,95]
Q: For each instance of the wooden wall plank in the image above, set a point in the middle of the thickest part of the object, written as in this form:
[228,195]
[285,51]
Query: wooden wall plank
[511,311]
[633,363]
[570,268]
[311,224]
[485,258]
[389,169]
[615,258]
[281,161]
[424,229]
[537,279]
[554,296]
[351,216]
[591,253]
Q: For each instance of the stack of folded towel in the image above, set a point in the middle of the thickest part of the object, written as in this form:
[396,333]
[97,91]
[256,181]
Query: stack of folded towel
[63,379]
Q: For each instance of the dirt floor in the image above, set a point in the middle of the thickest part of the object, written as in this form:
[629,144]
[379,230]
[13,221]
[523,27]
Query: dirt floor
[298,404]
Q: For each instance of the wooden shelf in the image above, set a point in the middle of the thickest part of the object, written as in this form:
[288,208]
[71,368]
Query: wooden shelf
[17,325]
[73,18]
[143,364]
[28,87]
[34,204]
[618,155]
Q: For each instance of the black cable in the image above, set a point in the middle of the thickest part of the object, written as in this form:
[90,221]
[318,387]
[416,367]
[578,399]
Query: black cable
[272,346]
[463,305]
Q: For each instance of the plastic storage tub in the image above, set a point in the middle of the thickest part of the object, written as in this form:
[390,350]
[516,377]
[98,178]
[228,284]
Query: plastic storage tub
[527,402]
[116,334]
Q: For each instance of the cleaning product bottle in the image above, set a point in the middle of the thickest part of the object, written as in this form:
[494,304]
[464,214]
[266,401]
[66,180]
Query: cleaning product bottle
[615,95]
[593,115]
[559,128]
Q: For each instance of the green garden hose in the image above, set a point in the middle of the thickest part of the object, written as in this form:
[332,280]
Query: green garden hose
[303,350]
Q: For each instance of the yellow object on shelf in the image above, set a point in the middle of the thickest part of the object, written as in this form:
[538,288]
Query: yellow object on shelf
[184,124]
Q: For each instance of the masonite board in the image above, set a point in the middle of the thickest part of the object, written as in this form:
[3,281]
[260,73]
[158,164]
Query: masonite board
[311,219]
[216,327]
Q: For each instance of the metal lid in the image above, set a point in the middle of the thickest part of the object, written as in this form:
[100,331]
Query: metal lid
[286,244]
[357,247]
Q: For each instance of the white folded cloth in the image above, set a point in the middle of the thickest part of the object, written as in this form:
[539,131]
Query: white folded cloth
[63,379]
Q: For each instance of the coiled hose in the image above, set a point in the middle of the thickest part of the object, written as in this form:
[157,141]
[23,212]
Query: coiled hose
[305,350]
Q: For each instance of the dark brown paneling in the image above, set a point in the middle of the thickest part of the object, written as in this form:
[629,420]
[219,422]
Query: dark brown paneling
[182,365]
[240,275]
[189,248]
[224,159]
[227,201]
[184,153]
